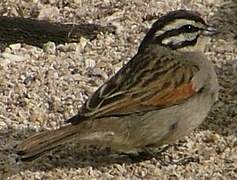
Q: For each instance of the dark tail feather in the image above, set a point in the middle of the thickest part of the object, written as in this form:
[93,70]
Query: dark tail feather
[37,145]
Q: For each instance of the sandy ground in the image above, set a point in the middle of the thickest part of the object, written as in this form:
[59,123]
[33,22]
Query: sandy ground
[40,88]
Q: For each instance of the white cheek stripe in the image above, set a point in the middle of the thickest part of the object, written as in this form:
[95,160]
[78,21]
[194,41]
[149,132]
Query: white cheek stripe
[180,38]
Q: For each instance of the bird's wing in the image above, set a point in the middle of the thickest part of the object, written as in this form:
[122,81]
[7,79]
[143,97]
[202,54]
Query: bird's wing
[153,79]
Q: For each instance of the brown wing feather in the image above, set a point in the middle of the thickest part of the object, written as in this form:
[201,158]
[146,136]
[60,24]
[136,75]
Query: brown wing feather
[169,98]
[151,80]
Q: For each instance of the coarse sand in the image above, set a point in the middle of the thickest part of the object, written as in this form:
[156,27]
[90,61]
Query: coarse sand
[40,88]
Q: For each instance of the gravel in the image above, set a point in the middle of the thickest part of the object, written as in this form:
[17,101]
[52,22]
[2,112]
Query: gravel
[40,88]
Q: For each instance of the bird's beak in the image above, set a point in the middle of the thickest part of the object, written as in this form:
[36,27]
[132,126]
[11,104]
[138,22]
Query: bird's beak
[210,31]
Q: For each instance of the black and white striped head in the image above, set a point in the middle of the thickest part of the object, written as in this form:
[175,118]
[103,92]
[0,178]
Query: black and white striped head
[179,30]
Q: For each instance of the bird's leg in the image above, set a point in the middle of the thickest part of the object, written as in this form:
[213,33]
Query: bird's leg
[171,161]
[148,153]
[161,156]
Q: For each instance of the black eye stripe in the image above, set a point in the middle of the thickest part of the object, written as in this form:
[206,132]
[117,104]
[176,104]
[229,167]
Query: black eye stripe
[189,28]
[174,32]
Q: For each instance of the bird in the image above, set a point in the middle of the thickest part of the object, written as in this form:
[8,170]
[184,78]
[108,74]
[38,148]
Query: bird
[165,91]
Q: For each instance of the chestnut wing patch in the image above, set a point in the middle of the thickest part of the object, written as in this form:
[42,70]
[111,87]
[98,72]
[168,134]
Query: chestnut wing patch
[171,97]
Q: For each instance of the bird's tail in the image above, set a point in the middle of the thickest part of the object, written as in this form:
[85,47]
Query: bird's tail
[38,144]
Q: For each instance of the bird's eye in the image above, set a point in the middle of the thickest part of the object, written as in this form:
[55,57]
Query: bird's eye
[190,28]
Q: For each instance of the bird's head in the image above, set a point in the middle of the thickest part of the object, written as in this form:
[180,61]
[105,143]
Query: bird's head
[180,30]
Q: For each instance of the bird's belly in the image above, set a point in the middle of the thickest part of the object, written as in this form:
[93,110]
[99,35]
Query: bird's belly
[165,126]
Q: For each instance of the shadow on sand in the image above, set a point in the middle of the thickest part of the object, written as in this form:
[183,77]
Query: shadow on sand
[67,156]
[225,111]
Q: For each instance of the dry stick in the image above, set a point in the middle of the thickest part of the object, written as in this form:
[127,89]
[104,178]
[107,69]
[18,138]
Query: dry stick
[36,33]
